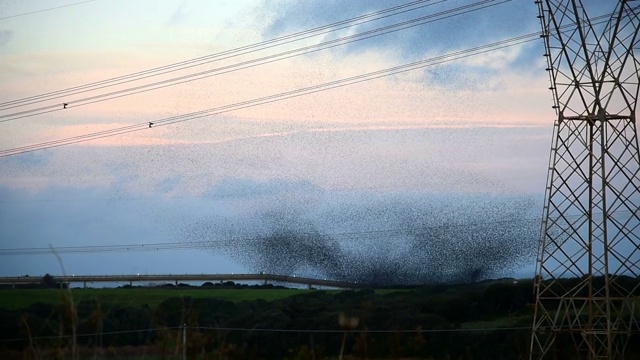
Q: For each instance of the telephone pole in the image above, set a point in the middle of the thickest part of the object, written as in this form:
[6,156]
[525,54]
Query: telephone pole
[588,264]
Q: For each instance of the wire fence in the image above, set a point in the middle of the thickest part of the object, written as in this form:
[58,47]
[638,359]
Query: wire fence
[274,330]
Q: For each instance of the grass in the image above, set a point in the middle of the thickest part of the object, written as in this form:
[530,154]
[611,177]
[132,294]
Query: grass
[12,299]
[389,291]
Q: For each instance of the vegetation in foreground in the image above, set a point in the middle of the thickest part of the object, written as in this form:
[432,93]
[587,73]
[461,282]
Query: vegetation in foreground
[489,320]
[138,296]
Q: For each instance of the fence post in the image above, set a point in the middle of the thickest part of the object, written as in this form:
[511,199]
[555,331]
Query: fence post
[184,341]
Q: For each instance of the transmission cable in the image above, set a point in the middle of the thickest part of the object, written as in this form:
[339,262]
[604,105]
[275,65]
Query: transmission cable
[246,64]
[235,241]
[43,10]
[279,330]
[236,67]
[273,98]
[240,241]
[276,97]
[218,56]
[271,43]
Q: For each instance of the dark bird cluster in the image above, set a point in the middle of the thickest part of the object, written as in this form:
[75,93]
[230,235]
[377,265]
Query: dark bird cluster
[444,243]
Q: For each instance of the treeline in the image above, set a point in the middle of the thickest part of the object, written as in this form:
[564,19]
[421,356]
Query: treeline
[46,282]
[477,321]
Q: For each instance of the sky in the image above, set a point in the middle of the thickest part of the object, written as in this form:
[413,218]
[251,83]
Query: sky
[470,134]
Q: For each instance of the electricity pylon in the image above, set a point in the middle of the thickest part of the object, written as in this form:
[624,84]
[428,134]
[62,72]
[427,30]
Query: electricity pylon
[588,265]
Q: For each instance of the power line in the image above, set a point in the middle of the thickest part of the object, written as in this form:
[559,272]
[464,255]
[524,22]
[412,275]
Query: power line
[374,331]
[275,97]
[228,54]
[115,199]
[90,334]
[239,241]
[49,9]
[286,39]
[276,330]
[235,67]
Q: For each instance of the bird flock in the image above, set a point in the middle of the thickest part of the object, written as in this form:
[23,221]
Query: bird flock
[459,240]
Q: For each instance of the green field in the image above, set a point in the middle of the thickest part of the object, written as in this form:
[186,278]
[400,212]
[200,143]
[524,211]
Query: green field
[11,299]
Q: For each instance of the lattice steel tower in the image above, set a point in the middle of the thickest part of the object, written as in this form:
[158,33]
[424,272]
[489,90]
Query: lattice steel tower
[588,263]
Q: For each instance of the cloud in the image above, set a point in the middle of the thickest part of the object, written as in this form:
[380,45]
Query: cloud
[475,27]
[5,37]
[27,161]
[489,92]
[179,15]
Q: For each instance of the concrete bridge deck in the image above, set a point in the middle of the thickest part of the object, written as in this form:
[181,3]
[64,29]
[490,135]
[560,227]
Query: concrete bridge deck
[139,278]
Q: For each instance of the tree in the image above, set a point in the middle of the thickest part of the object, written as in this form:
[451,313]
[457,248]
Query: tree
[48,281]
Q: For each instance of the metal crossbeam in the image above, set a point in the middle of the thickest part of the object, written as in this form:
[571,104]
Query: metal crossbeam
[588,263]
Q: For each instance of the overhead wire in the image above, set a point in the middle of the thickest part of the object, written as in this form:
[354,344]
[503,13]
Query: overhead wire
[238,329]
[91,334]
[379,331]
[273,98]
[49,9]
[276,97]
[240,241]
[256,47]
[226,55]
[238,66]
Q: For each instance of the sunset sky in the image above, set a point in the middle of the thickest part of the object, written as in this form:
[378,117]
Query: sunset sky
[350,159]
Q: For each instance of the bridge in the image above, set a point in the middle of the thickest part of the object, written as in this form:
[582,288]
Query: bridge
[176,279]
